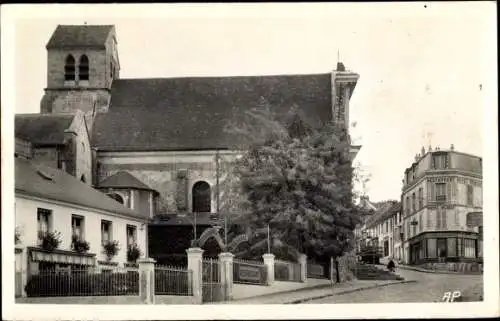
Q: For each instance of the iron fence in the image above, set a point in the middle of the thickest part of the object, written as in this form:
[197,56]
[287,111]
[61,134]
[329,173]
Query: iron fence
[286,271]
[90,281]
[249,272]
[171,280]
[315,271]
[212,290]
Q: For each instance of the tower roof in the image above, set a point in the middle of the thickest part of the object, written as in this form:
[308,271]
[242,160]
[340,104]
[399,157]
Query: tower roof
[124,179]
[77,36]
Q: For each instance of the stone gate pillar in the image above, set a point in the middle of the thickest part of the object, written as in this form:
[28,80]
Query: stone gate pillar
[269,263]
[195,266]
[226,274]
[147,280]
[303,267]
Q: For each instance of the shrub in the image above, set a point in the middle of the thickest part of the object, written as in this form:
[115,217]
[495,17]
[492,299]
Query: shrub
[133,253]
[111,248]
[17,236]
[78,245]
[50,240]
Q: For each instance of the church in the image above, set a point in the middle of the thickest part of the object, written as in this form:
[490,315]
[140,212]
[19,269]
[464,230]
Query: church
[153,144]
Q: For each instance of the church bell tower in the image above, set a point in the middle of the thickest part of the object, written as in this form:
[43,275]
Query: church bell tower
[82,62]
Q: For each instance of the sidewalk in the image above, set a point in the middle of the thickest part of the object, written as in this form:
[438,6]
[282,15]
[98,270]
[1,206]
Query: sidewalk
[419,269]
[307,294]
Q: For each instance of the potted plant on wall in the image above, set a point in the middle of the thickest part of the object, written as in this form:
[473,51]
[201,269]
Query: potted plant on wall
[133,253]
[79,245]
[111,248]
[50,240]
[17,236]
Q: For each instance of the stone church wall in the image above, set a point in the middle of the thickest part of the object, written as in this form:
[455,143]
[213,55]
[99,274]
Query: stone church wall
[171,174]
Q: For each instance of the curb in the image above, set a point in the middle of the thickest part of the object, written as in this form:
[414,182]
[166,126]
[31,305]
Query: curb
[349,291]
[438,272]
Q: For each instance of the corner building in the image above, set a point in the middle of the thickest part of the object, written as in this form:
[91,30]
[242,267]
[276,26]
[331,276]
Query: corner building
[442,190]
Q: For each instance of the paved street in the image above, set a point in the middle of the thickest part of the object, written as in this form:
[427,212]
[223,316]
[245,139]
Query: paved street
[429,288]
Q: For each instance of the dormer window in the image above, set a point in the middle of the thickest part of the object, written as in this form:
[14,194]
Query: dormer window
[440,161]
[69,68]
[83,68]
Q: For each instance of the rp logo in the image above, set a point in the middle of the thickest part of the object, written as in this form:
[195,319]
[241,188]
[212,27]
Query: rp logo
[451,296]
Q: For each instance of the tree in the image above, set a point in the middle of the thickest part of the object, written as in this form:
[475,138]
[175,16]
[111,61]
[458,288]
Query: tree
[297,179]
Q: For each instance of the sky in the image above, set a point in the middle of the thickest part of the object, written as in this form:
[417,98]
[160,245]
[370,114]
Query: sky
[424,68]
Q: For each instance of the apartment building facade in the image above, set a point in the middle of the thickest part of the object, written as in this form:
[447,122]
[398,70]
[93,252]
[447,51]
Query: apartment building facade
[440,190]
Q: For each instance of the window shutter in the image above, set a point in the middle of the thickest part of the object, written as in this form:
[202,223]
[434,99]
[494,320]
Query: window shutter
[443,219]
[448,192]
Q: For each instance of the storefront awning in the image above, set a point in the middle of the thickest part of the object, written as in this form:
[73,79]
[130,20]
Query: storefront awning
[60,256]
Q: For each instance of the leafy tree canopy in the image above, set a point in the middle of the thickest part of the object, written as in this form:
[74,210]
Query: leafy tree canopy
[296,178]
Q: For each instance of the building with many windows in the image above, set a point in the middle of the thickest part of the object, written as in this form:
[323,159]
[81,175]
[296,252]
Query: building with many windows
[441,189]
[58,218]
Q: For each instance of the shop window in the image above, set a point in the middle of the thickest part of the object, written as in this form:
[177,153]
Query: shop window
[469,248]
[431,248]
[452,247]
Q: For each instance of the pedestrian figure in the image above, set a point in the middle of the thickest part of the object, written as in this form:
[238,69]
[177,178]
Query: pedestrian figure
[391,266]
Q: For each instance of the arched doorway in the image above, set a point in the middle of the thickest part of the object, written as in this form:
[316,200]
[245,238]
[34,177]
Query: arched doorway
[202,197]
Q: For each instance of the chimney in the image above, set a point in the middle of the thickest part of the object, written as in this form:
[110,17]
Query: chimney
[423,150]
[430,148]
[340,66]
[452,147]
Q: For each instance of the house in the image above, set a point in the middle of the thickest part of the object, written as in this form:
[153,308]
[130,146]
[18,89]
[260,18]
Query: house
[58,218]
[442,190]
[57,140]
[380,227]
[165,136]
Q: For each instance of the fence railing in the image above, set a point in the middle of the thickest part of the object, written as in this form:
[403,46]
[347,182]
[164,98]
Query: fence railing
[83,282]
[171,280]
[287,271]
[212,290]
[315,271]
[249,272]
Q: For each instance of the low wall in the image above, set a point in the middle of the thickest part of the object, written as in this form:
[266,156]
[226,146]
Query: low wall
[123,299]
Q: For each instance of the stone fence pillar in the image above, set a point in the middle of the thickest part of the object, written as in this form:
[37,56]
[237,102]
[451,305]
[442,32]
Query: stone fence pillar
[303,267]
[147,280]
[226,274]
[195,266]
[269,263]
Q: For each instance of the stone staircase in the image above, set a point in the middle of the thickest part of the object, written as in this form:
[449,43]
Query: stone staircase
[372,272]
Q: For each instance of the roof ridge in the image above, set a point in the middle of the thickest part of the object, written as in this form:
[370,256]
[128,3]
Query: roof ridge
[223,76]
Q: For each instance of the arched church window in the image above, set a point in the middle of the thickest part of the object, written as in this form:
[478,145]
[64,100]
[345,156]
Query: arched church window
[202,197]
[116,197]
[83,68]
[69,68]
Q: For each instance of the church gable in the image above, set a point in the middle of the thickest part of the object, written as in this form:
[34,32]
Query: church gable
[191,113]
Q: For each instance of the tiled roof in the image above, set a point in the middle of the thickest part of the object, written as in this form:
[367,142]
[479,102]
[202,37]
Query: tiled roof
[88,36]
[191,113]
[42,129]
[123,179]
[384,210]
[50,183]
